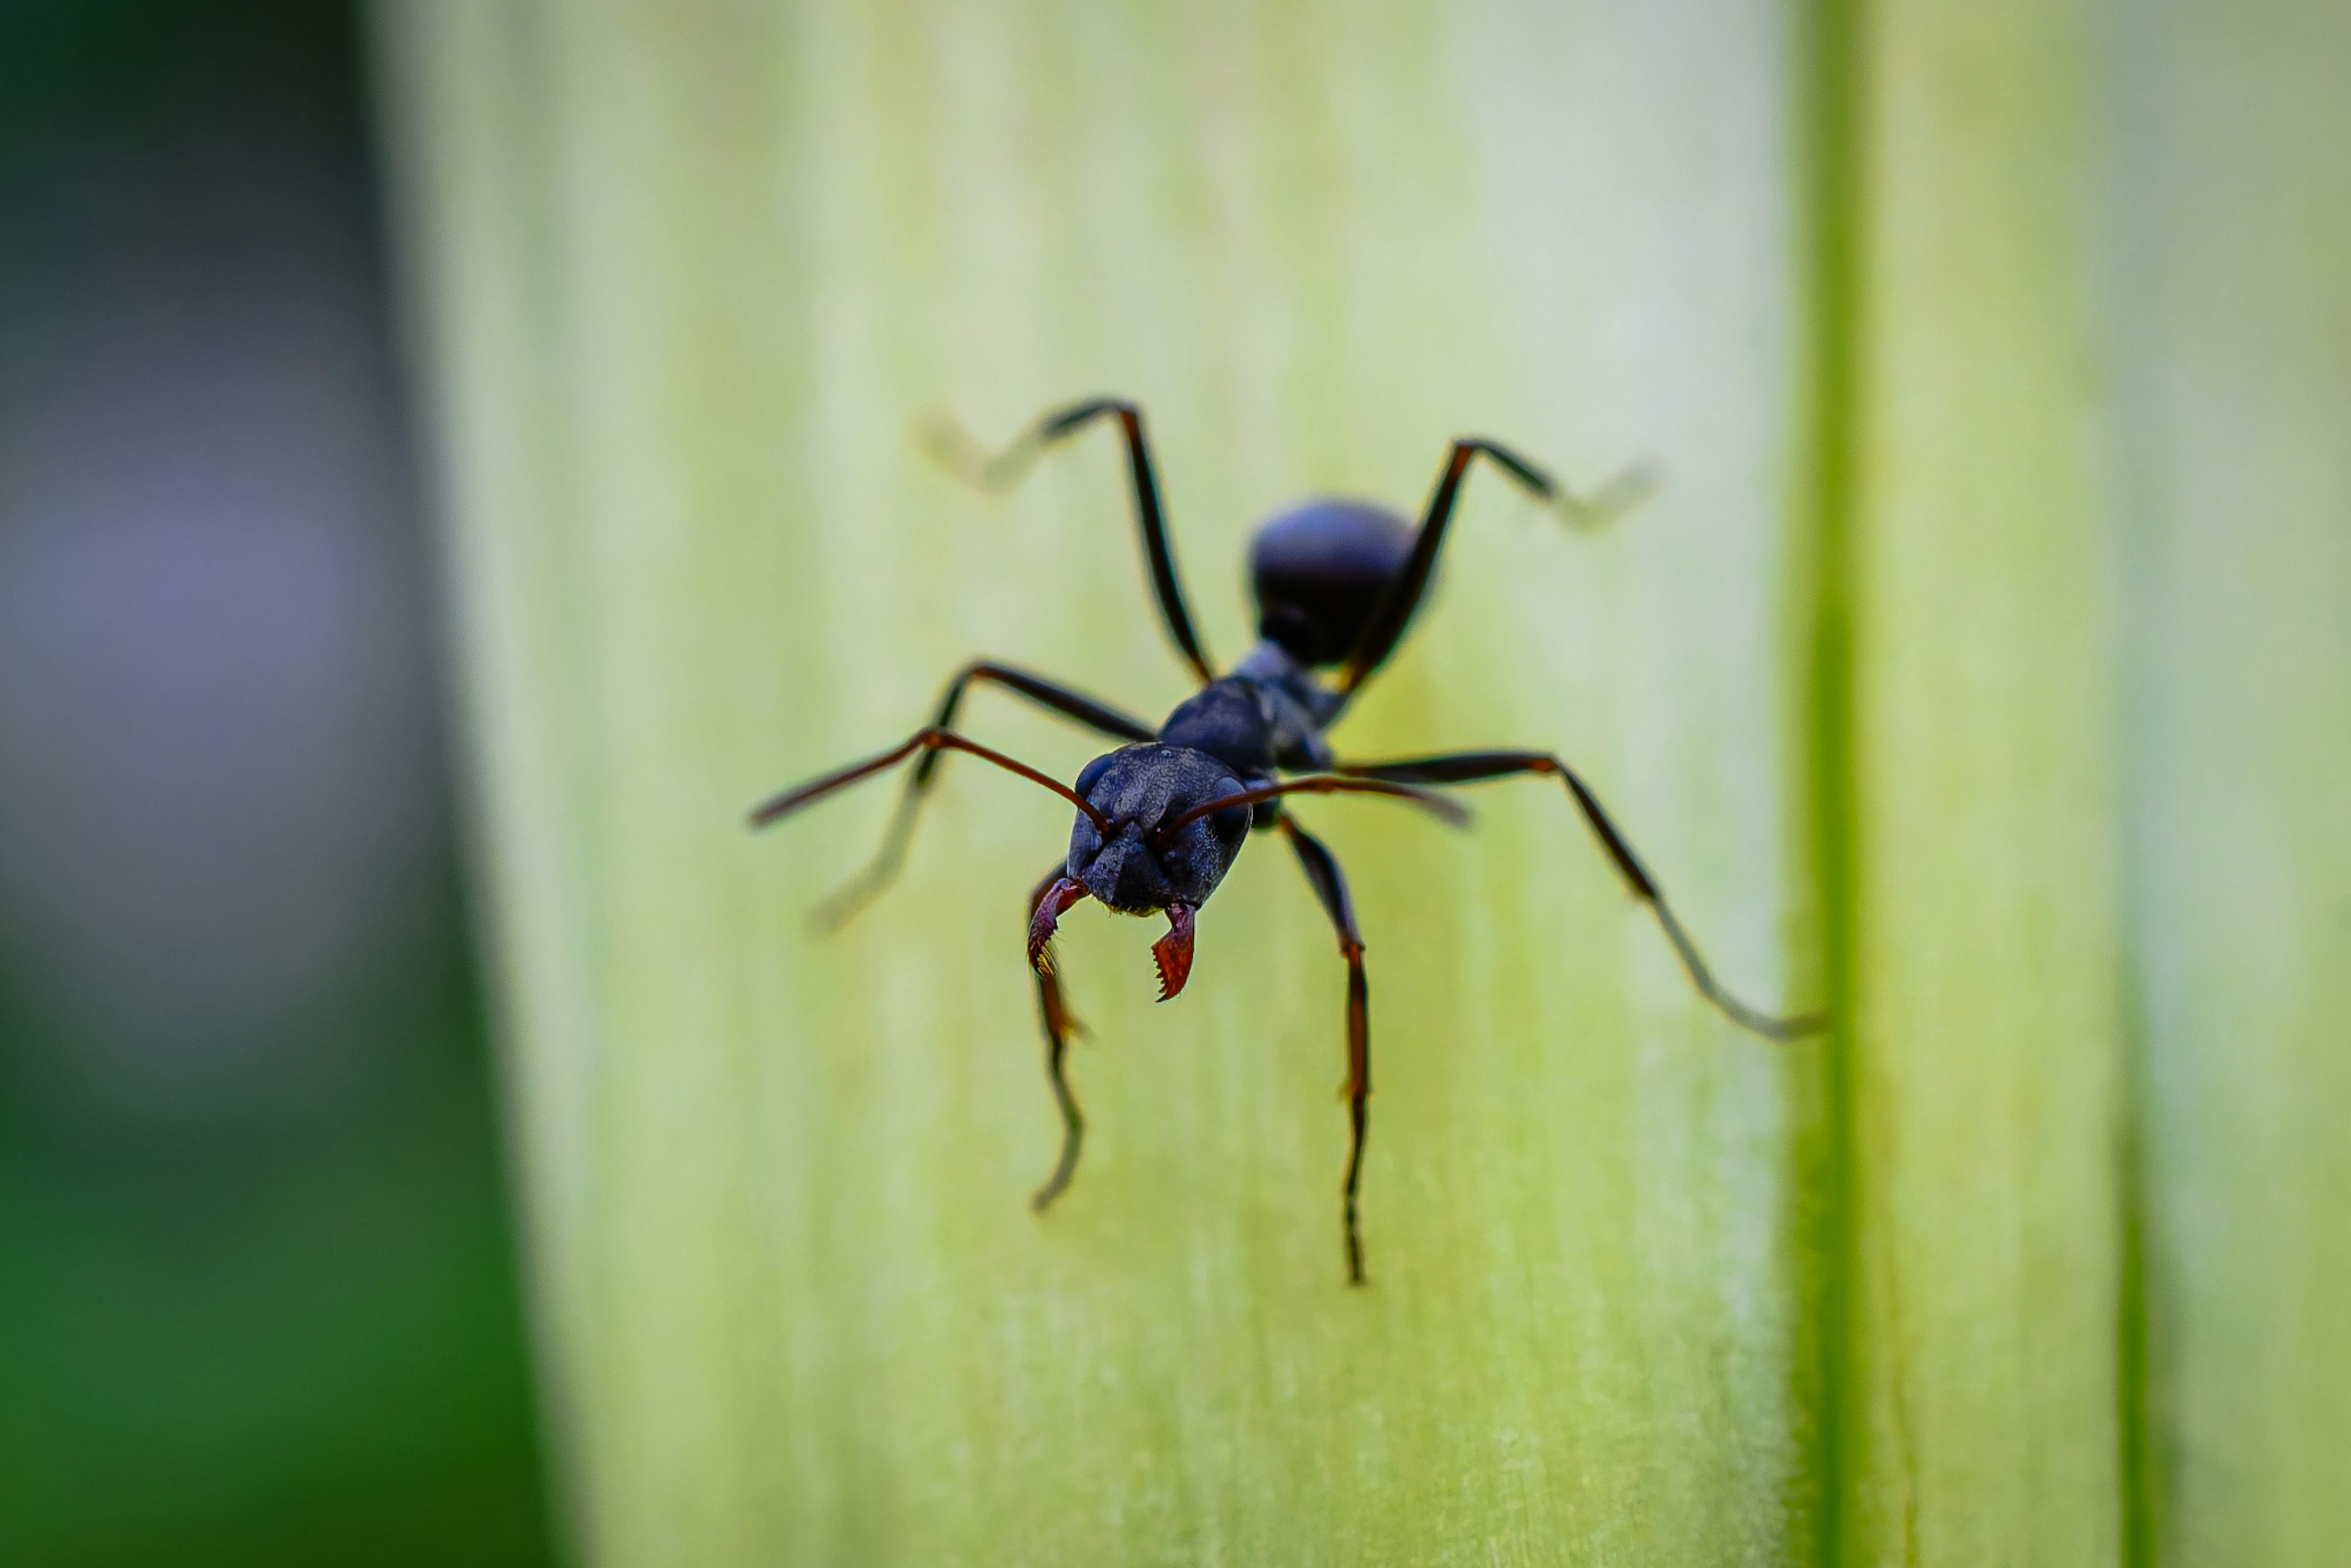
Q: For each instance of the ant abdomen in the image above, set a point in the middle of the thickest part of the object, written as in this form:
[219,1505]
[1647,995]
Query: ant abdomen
[1320,571]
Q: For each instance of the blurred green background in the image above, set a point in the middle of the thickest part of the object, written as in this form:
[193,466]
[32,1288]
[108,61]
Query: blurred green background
[258,1300]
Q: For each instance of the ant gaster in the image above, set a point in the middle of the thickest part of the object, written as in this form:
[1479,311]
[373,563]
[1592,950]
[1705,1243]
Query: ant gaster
[1161,819]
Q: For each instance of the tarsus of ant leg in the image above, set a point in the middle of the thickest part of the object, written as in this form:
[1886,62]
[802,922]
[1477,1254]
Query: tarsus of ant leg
[1771,1026]
[1073,1124]
[1475,767]
[945,440]
[1618,495]
[1387,626]
[931,740]
[840,906]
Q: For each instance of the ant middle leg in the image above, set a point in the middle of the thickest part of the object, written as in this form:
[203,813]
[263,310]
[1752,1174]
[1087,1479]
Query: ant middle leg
[1472,767]
[868,885]
[1330,887]
[954,451]
[1385,629]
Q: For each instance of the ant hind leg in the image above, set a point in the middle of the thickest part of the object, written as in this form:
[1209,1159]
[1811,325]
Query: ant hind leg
[953,449]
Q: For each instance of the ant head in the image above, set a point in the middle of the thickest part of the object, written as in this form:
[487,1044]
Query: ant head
[1135,868]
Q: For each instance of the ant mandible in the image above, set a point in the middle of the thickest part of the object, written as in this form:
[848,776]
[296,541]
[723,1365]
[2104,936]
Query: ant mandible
[1161,819]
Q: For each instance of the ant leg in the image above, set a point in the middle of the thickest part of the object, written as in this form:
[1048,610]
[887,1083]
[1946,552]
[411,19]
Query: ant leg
[1385,629]
[861,890]
[1470,767]
[956,452]
[1060,1025]
[1330,887]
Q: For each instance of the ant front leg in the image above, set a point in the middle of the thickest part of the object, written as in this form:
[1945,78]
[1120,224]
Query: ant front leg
[1060,1026]
[956,452]
[1385,629]
[1330,887]
[1472,767]
[1099,716]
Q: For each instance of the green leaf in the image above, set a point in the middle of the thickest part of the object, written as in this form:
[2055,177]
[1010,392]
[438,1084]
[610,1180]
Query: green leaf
[1979,669]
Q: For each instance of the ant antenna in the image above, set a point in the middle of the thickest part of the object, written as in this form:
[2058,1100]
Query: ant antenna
[1451,811]
[816,789]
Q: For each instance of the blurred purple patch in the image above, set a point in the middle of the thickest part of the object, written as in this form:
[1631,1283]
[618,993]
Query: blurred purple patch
[219,768]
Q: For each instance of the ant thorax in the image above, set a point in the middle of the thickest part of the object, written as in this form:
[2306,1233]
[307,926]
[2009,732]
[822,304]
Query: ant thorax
[1296,707]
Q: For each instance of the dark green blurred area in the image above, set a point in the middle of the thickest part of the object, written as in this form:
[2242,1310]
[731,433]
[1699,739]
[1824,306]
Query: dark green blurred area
[277,1322]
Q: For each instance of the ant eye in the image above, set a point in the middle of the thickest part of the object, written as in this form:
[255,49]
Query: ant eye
[1231,822]
[1091,773]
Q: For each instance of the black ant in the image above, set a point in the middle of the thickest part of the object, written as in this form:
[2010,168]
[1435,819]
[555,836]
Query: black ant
[1161,819]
